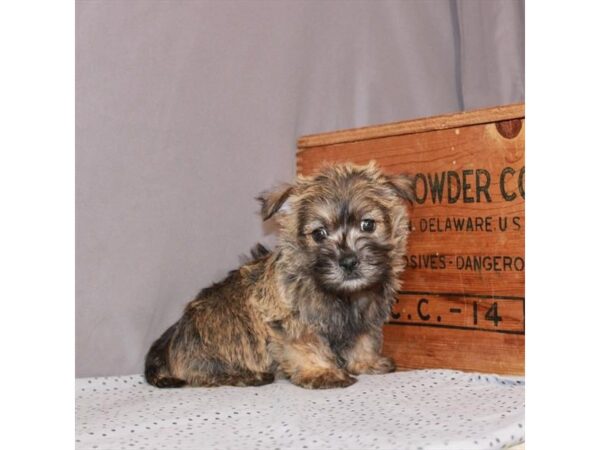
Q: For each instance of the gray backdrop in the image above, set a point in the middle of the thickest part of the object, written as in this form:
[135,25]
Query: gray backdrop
[185,110]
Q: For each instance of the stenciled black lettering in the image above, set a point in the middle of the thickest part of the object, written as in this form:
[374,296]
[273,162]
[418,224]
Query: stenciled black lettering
[466,187]
[522,182]
[519,264]
[469,224]
[448,224]
[436,186]
[422,316]
[432,227]
[459,223]
[517,223]
[492,314]
[509,197]
[488,224]
[420,180]
[490,263]
[497,260]
[502,223]
[482,188]
[453,178]
[479,223]
[429,261]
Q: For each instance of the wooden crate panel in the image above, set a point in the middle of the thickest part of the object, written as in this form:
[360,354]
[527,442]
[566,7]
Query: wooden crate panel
[502,314]
[428,348]
[465,274]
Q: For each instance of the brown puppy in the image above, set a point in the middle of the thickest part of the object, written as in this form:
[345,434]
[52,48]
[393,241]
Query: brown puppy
[313,308]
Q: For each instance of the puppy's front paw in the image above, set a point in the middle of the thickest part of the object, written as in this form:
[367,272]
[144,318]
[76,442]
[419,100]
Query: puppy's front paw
[259,379]
[382,364]
[325,380]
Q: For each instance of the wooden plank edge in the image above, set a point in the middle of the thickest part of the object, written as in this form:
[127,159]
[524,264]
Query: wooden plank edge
[442,122]
[501,373]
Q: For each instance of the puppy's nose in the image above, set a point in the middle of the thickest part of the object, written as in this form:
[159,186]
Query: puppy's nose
[348,262]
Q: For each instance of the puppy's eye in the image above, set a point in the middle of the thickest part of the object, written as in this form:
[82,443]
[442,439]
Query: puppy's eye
[367,225]
[319,234]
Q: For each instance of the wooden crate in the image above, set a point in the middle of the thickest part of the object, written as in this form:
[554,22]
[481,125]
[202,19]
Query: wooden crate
[462,304]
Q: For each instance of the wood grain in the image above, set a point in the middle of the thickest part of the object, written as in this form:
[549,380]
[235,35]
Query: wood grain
[467,240]
[433,348]
[441,122]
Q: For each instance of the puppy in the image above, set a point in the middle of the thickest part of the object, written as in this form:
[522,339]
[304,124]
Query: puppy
[311,310]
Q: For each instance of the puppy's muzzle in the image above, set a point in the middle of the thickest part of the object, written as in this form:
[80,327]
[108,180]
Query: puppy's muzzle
[348,262]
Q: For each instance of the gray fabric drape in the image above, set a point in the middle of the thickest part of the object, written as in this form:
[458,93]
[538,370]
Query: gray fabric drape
[186,110]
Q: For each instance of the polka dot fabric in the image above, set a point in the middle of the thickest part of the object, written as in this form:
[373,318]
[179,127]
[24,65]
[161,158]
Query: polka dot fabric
[423,409]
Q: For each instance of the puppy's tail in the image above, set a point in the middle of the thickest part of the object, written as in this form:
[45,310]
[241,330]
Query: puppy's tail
[259,251]
[156,368]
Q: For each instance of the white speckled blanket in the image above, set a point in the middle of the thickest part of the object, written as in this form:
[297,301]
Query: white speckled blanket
[423,409]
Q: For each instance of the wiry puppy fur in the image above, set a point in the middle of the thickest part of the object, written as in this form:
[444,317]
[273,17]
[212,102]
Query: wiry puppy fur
[313,308]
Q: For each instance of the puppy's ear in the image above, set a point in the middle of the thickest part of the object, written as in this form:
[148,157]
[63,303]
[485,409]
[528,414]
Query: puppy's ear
[275,200]
[403,186]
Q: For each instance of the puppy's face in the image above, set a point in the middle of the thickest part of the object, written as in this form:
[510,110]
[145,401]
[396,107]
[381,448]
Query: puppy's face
[346,222]
[346,239]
